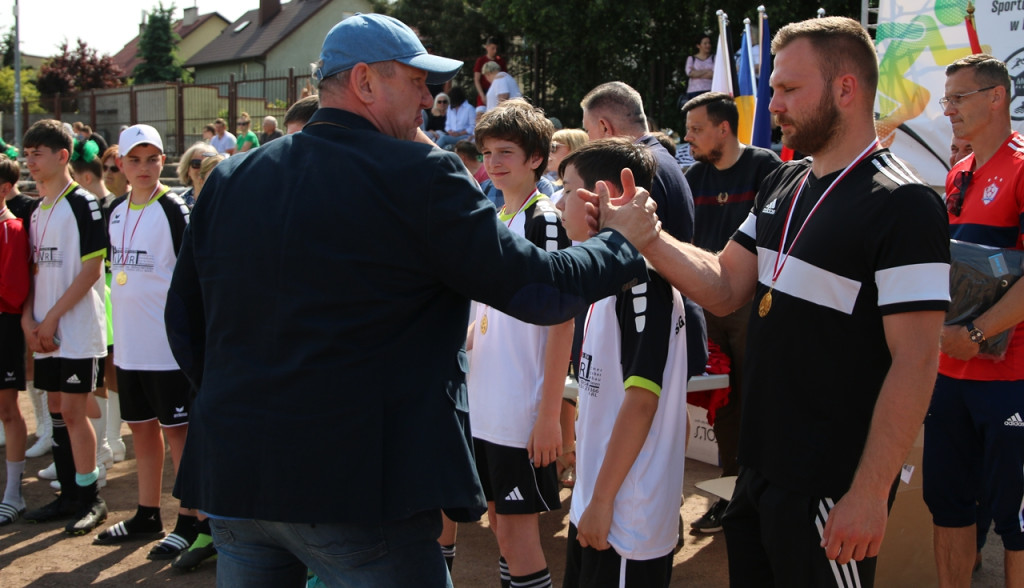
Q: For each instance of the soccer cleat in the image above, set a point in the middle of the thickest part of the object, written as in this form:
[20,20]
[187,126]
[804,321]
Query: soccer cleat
[60,508]
[201,550]
[90,515]
[711,522]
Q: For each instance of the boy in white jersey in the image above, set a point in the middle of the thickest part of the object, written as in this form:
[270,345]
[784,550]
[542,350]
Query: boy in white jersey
[145,230]
[632,400]
[515,384]
[64,320]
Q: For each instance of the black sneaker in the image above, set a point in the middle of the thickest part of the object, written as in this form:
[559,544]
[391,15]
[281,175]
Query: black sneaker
[711,522]
[91,515]
[60,508]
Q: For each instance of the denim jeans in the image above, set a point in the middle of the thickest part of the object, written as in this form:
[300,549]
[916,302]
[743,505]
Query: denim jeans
[257,554]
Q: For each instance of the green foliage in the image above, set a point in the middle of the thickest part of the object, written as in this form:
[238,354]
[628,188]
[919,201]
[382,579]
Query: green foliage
[158,49]
[81,69]
[29,93]
[564,49]
[7,48]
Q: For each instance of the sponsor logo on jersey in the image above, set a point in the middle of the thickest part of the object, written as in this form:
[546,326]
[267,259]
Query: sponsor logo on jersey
[769,208]
[1014,421]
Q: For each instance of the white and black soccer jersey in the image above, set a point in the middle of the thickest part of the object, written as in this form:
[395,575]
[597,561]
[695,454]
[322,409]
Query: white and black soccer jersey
[62,236]
[508,359]
[636,338]
[877,245]
[144,241]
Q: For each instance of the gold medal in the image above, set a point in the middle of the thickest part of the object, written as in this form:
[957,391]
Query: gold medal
[765,304]
[483,325]
[122,278]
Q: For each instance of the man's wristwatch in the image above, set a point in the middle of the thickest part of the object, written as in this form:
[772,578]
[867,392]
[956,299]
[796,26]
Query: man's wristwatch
[975,333]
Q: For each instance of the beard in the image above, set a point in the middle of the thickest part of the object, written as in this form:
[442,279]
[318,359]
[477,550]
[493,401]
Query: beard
[816,131]
[711,157]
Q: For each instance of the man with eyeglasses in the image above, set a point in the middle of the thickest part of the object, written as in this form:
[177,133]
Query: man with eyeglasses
[974,434]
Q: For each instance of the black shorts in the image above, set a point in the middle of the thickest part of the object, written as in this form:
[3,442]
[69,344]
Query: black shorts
[72,376]
[512,483]
[974,455]
[773,538]
[12,353]
[147,395]
[586,567]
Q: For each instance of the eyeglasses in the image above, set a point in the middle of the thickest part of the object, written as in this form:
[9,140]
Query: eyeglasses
[198,162]
[555,147]
[243,123]
[956,99]
[111,168]
[442,102]
[955,201]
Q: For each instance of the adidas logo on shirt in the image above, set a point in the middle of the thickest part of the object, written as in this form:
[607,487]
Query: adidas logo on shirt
[74,379]
[769,208]
[514,495]
[1014,421]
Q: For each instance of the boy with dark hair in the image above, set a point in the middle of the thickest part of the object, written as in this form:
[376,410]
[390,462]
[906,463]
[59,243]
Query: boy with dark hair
[14,285]
[64,320]
[145,231]
[515,386]
[632,401]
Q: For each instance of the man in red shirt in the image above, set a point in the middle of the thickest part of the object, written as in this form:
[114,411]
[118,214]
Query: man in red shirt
[481,82]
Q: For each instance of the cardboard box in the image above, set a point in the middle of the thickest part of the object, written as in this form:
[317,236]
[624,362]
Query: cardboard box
[907,557]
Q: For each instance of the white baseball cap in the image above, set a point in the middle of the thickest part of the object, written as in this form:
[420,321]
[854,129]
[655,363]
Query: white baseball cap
[136,135]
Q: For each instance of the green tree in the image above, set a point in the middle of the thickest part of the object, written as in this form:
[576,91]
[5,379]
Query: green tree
[158,49]
[7,48]
[29,93]
[643,43]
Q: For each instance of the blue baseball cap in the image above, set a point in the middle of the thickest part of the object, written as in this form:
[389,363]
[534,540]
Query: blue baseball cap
[372,38]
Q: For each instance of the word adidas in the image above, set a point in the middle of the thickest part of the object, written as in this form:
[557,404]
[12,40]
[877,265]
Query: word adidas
[1014,421]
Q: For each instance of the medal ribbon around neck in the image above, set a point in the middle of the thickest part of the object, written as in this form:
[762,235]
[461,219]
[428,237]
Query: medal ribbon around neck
[533,197]
[38,245]
[122,276]
[781,258]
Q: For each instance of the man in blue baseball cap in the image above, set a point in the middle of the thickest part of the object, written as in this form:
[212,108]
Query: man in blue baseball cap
[321,295]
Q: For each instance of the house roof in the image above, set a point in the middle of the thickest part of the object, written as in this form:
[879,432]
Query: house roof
[128,57]
[246,39]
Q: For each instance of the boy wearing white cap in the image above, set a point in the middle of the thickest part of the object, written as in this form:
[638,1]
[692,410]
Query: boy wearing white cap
[145,230]
[65,322]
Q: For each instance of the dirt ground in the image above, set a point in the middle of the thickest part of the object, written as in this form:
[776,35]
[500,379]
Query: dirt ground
[42,556]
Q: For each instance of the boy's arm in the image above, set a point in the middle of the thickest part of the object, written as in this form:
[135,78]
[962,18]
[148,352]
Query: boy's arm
[545,444]
[628,436]
[92,270]
[28,319]
[14,273]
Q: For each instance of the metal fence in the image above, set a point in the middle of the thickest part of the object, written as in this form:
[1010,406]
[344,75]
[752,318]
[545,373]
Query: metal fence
[178,111]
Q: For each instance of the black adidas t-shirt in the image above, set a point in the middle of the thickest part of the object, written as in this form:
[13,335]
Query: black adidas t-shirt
[877,245]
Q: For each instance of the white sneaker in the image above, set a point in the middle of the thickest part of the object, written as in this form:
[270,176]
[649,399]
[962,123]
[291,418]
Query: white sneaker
[50,473]
[118,449]
[104,456]
[41,447]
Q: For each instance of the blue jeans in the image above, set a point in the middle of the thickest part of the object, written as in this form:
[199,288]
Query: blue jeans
[257,554]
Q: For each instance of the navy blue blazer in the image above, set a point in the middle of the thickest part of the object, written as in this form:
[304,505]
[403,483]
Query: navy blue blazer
[320,304]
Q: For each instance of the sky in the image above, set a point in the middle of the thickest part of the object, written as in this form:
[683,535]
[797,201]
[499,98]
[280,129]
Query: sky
[105,26]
